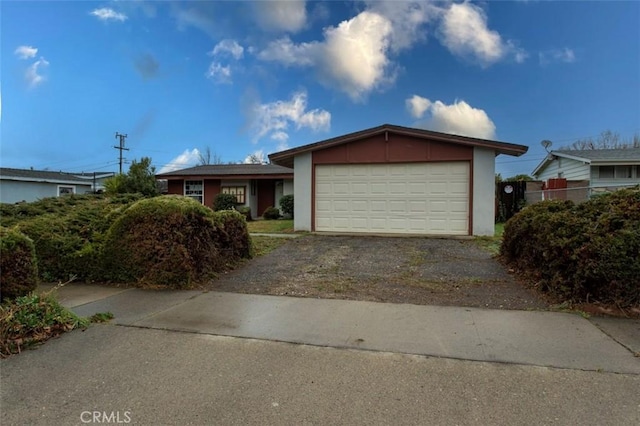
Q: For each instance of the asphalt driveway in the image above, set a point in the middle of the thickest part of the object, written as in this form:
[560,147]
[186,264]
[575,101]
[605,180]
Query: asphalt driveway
[422,271]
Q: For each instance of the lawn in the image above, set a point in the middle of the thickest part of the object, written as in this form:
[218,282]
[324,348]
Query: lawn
[280,226]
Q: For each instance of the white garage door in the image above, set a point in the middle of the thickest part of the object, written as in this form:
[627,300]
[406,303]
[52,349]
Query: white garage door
[407,198]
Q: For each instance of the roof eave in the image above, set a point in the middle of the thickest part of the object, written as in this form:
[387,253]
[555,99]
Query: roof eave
[226,177]
[285,158]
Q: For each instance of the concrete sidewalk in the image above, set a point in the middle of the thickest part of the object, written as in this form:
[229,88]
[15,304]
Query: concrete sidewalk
[534,338]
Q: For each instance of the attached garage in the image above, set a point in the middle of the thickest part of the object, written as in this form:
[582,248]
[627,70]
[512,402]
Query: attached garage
[400,198]
[396,180]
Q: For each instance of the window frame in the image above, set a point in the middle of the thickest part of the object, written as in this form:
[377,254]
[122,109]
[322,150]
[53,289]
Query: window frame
[240,191]
[195,194]
[71,187]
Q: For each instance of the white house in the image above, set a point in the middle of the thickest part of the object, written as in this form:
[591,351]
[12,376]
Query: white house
[30,185]
[396,180]
[599,168]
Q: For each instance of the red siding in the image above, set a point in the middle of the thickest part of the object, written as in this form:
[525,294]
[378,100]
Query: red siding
[175,187]
[398,149]
[211,189]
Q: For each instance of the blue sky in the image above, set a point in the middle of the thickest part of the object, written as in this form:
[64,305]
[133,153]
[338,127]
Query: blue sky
[258,77]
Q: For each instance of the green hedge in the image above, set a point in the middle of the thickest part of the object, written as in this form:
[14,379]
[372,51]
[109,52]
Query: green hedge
[580,253]
[173,241]
[18,265]
[68,231]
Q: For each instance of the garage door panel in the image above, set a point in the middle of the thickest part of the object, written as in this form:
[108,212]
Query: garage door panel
[421,198]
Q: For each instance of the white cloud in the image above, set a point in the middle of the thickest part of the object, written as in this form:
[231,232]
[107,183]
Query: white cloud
[287,53]
[355,54]
[280,136]
[219,73]
[417,105]
[33,74]
[287,15]
[564,55]
[275,118]
[188,158]
[407,18]
[26,52]
[458,118]
[465,33]
[228,46]
[352,56]
[107,14]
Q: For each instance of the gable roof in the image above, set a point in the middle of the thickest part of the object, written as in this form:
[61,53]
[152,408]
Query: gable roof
[47,176]
[222,171]
[285,158]
[593,157]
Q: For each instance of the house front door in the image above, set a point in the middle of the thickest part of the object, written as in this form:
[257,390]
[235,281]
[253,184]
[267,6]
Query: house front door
[266,195]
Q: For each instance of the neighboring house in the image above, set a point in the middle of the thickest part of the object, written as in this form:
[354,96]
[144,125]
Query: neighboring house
[597,168]
[18,185]
[396,180]
[257,186]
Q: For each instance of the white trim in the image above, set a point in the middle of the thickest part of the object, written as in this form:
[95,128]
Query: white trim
[184,188]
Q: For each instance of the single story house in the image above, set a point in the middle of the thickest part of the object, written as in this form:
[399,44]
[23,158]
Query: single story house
[29,185]
[396,180]
[257,186]
[598,168]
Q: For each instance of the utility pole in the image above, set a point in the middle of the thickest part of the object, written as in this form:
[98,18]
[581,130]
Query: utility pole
[121,147]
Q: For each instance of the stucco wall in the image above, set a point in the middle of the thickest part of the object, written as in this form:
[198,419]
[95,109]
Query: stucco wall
[16,191]
[303,186]
[484,161]
[288,187]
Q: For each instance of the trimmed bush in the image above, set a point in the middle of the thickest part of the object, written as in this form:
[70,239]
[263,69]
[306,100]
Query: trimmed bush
[271,213]
[173,241]
[224,202]
[286,204]
[18,266]
[245,211]
[580,253]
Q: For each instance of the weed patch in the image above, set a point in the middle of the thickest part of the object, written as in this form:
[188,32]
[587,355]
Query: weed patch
[32,319]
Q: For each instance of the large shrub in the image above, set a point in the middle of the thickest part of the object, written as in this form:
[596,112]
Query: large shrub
[579,253]
[18,266]
[286,204]
[172,241]
[68,231]
[271,213]
[224,202]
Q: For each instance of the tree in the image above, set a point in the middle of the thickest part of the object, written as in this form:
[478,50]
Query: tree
[257,157]
[207,157]
[606,140]
[519,178]
[139,179]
